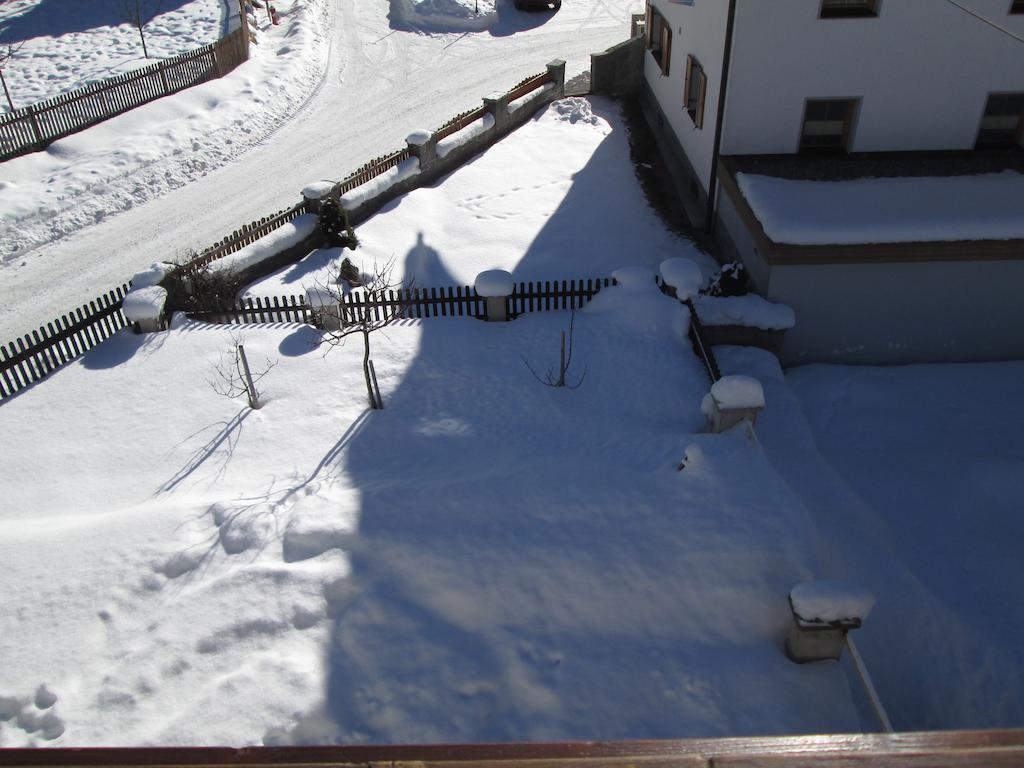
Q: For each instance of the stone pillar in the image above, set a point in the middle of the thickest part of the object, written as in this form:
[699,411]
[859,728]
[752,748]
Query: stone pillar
[823,612]
[497,106]
[557,71]
[315,194]
[326,307]
[495,285]
[732,399]
[423,144]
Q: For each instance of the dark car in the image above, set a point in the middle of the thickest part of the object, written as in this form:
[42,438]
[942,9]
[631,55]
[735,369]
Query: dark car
[524,5]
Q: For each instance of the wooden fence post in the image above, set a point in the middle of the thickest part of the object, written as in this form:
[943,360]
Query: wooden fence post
[35,127]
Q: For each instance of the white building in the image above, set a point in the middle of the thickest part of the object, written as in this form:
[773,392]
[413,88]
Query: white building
[825,93]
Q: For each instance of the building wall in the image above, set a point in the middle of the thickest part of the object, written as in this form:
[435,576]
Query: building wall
[698,30]
[923,69]
[738,245]
[953,311]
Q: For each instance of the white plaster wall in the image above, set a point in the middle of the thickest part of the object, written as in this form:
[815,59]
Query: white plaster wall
[923,69]
[698,30]
[947,311]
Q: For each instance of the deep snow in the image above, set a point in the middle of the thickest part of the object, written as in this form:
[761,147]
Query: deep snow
[888,210]
[913,475]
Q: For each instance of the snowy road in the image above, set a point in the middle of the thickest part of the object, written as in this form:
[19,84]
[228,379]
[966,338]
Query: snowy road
[379,84]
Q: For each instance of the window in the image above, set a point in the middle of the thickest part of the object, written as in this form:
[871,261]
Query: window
[848,9]
[659,39]
[1017,6]
[1002,125]
[694,91]
[827,125]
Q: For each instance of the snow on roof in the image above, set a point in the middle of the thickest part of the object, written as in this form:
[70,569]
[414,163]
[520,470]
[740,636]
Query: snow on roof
[887,210]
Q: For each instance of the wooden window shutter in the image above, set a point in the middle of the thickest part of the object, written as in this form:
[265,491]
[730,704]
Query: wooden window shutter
[699,120]
[666,48]
[686,81]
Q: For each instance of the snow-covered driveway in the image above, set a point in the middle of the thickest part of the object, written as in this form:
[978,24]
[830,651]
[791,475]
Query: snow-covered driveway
[378,84]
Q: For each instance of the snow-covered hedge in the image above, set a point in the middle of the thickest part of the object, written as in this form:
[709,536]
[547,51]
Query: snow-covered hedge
[145,305]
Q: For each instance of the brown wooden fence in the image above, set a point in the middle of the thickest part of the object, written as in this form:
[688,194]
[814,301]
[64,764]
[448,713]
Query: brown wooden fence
[529,85]
[938,749]
[36,355]
[34,127]
[459,122]
[372,169]
[265,309]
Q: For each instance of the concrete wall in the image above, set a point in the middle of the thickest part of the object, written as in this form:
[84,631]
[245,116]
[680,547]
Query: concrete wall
[698,30]
[738,245]
[902,313]
[619,70]
[923,69]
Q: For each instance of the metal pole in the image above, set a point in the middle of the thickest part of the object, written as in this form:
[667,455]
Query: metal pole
[254,398]
[869,687]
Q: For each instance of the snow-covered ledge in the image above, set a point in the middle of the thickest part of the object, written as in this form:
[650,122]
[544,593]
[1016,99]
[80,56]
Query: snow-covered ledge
[495,285]
[823,612]
[732,399]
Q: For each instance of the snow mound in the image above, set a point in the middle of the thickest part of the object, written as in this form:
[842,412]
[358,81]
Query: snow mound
[152,276]
[635,279]
[731,392]
[144,304]
[576,110]
[419,137]
[317,190]
[494,282]
[752,311]
[682,274]
[830,601]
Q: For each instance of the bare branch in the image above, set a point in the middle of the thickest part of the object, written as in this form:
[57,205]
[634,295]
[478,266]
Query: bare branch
[230,378]
[565,362]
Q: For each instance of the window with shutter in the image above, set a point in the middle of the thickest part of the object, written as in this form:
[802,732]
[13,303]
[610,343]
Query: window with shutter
[695,88]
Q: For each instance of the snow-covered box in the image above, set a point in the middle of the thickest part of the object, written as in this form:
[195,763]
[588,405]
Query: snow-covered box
[823,613]
[732,399]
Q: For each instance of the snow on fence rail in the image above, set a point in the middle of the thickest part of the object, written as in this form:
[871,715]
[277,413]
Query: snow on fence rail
[36,355]
[372,169]
[33,128]
[459,122]
[240,238]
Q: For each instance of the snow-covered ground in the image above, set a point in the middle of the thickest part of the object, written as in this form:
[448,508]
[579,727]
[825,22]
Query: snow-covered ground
[914,477]
[68,44]
[486,559]
[888,210]
[334,85]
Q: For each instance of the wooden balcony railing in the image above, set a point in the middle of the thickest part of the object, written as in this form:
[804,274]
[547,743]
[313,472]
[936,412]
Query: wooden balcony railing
[941,749]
